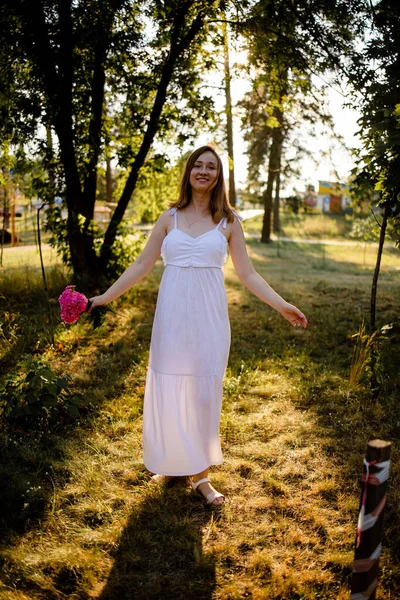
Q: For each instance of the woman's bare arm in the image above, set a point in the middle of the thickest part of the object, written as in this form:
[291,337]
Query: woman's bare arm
[140,267]
[254,282]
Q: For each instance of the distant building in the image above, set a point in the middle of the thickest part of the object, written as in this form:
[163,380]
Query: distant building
[333,197]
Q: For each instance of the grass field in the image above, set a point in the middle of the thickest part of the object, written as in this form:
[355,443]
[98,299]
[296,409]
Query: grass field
[308,225]
[78,518]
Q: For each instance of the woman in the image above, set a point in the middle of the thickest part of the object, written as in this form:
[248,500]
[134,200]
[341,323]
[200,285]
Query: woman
[191,332]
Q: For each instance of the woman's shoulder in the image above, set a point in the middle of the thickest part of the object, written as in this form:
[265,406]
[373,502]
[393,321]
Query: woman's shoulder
[172,211]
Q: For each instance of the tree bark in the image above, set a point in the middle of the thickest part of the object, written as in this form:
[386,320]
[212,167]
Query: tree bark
[229,123]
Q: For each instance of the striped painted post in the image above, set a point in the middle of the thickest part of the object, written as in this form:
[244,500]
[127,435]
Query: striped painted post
[369,531]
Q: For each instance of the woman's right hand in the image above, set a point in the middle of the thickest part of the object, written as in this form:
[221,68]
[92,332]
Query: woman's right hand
[96,301]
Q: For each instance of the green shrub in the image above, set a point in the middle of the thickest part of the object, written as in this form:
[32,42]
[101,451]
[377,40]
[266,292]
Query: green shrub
[294,203]
[38,398]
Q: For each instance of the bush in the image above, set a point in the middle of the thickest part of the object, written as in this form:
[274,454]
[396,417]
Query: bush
[38,398]
[294,203]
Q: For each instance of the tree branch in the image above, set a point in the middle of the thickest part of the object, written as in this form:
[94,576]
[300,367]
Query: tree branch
[176,48]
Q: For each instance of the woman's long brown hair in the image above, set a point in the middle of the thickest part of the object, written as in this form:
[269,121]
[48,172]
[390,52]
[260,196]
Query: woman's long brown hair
[219,203]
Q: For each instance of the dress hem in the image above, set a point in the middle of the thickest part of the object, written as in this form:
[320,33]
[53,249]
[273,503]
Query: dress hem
[213,464]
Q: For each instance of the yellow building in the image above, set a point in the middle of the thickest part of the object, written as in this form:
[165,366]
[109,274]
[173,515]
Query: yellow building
[333,197]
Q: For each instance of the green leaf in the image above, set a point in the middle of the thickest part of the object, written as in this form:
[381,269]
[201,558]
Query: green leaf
[49,401]
[62,382]
[77,399]
[36,382]
[31,397]
[51,388]
[72,411]
[30,375]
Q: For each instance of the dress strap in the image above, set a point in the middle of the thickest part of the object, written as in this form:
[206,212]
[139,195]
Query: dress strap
[173,211]
[237,215]
[224,220]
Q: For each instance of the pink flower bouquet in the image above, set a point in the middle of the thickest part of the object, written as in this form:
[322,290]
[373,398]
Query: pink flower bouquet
[73,304]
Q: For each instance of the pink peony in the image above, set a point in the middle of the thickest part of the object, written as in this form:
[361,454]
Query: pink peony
[72,304]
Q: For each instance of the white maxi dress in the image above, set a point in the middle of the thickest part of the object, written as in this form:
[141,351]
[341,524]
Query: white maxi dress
[189,352]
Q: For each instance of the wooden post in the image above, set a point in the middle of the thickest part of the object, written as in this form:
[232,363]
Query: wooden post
[369,532]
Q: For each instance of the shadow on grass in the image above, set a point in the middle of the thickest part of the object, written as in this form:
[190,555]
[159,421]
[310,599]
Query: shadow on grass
[31,462]
[160,551]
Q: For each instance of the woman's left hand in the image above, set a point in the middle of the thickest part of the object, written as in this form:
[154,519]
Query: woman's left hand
[294,316]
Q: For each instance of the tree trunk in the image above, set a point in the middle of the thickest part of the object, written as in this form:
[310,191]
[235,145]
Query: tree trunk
[273,170]
[229,124]
[267,199]
[276,224]
[85,262]
[372,317]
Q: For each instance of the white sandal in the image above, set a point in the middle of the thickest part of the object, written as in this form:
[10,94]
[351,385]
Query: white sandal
[211,496]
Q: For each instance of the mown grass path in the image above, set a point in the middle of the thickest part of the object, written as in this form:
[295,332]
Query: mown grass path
[80,520]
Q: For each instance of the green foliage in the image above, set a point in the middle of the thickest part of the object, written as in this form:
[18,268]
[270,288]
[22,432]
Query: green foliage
[157,187]
[294,203]
[109,79]
[366,229]
[375,80]
[126,248]
[371,354]
[38,398]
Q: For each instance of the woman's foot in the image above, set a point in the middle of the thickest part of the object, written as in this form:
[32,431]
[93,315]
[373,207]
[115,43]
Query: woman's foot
[161,480]
[208,491]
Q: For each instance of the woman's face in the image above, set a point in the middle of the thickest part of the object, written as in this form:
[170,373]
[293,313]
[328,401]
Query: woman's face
[204,173]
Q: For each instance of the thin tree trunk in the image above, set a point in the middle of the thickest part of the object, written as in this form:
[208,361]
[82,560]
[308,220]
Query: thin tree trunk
[46,290]
[267,199]
[276,224]
[372,318]
[13,233]
[229,123]
[4,223]
[109,181]
[273,170]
